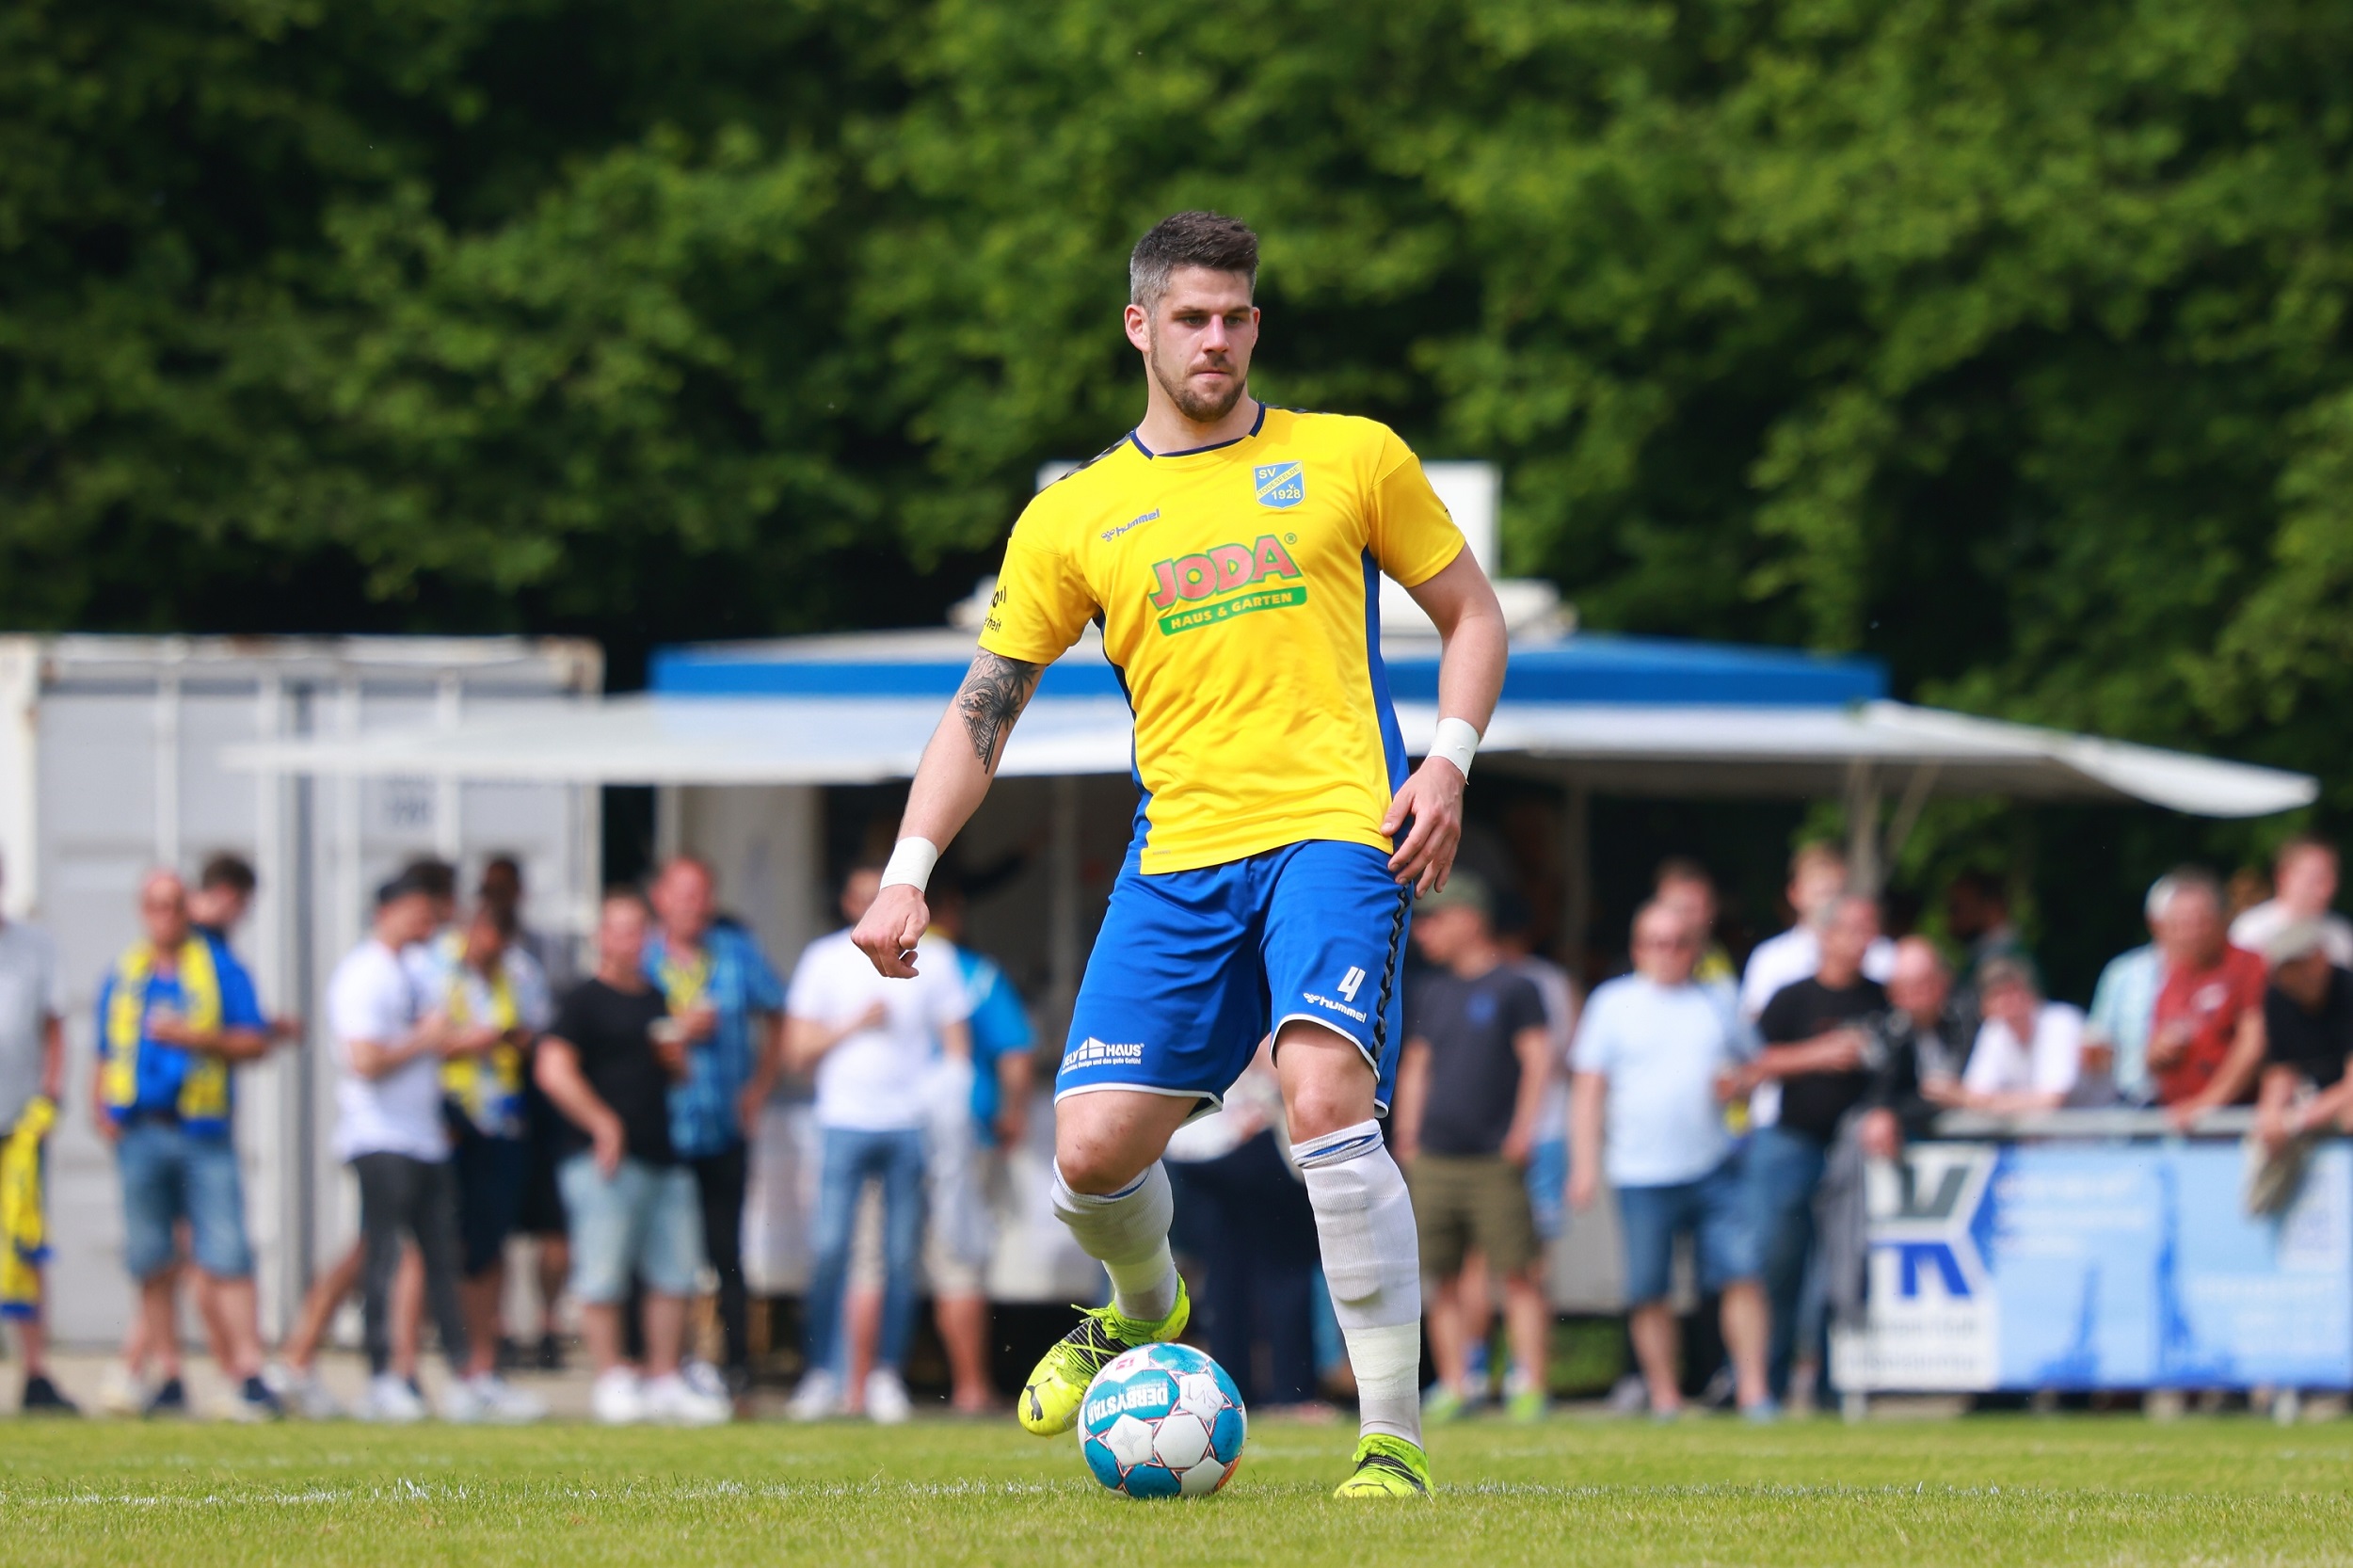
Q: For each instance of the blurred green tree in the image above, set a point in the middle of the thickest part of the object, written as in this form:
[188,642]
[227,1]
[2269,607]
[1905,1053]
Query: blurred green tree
[2005,341]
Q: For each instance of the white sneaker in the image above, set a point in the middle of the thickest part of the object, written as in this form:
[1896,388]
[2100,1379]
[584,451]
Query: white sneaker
[818,1397]
[616,1400]
[460,1405]
[887,1403]
[391,1400]
[503,1404]
[703,1378]
[302,1393]
[674,1401]
[122,1393]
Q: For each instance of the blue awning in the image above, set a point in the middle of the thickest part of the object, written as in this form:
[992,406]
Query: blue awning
[1590,670]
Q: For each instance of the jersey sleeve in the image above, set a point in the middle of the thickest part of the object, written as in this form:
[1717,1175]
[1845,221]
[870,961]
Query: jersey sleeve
[1412,535]
[1041,603]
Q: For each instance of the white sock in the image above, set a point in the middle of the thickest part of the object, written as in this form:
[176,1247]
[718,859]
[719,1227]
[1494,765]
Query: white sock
[1373,1262]
[1126,1232]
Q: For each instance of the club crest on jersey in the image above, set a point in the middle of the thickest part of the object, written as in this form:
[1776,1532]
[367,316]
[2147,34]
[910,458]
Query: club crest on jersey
[1280,484]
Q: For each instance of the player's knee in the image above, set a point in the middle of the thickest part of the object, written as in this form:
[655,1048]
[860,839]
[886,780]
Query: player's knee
[1318,1107]
[1092,1162]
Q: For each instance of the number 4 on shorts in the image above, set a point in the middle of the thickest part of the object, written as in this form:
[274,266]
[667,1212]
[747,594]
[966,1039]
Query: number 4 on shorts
[1350,982]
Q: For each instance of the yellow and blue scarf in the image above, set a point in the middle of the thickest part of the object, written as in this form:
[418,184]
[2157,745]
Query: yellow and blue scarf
[489,1087]
[142,1071]
[24,1233]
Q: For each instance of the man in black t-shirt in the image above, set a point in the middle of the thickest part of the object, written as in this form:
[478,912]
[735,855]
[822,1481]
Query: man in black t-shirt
[2308,1037]
[1470,1086]
[1817,1048]
[608,1063]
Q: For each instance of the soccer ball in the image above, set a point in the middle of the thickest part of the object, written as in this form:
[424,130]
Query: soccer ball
[1161,1421]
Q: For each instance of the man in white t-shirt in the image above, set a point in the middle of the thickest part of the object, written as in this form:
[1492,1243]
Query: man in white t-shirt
[2304,881]
[1818,880]
[2029,1051]
[872,1041]
[1651,1059]
[392,1040]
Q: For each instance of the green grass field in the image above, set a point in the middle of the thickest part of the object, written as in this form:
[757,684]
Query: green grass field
[1980,1492]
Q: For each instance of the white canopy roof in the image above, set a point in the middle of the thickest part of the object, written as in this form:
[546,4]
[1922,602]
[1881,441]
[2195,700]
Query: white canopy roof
[1622,750]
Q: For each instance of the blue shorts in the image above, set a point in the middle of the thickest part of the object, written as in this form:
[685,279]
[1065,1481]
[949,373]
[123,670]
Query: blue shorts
[644,1220]
[1715,1211]
[169,1174]
[1191,969]
[1547,1187]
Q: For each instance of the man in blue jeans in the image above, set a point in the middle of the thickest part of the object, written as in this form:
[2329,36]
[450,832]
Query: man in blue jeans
[1816,1050]
[871,1042]
[175,1015]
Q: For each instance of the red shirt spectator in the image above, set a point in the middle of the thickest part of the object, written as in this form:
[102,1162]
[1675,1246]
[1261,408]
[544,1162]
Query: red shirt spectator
[2202,1008]
[2209,1012]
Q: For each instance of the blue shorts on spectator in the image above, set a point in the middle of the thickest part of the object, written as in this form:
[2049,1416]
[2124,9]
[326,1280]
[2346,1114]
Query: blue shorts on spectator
[643,1220]
[491,1173]
[1715,1211]
[169,1174]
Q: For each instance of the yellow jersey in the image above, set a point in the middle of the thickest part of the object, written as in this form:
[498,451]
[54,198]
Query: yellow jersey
[1235,587]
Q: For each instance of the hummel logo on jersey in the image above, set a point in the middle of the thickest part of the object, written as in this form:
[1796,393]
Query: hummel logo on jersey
[1350,980]
[1111,534]
[1280,484]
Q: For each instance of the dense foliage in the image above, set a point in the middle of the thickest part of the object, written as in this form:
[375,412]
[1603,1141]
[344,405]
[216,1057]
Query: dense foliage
[2004,339]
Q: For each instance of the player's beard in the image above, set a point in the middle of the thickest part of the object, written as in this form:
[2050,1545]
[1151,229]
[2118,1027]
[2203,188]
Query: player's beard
[1195,405]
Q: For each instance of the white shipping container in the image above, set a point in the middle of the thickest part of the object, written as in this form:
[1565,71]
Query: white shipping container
[110,763]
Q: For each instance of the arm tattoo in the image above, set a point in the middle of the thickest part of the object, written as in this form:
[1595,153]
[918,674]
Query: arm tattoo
[995,690]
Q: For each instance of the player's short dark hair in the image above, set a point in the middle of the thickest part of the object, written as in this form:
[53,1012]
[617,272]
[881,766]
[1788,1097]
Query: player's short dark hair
[434,875]
[1208,240]
[227,869]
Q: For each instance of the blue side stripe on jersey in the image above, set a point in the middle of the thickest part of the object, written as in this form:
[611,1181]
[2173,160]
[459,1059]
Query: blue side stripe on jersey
[1392,738]
[1143,824]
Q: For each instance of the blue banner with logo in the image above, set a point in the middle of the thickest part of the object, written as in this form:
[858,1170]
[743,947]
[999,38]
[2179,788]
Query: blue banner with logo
[2113,1266]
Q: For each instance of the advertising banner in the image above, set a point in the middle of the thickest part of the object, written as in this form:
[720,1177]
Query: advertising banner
[2124,1266]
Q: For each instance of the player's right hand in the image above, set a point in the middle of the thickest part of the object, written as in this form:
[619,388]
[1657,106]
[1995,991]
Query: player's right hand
[889,929]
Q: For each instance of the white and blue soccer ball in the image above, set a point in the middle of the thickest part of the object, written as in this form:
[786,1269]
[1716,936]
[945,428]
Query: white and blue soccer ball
[1161,1421]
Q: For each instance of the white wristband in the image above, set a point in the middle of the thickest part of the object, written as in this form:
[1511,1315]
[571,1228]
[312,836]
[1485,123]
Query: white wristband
[911,863]
[1457,742]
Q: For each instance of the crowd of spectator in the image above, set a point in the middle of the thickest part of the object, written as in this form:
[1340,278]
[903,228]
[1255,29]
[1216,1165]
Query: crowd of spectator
[613,1120]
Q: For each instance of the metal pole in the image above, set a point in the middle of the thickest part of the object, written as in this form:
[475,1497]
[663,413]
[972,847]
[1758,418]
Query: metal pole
[1862,829]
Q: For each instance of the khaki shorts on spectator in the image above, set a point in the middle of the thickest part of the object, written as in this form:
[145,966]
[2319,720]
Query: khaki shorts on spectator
[1465,1201]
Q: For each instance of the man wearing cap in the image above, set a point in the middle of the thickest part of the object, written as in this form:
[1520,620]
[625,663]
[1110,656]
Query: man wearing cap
[2308,1037]
[1470,1087]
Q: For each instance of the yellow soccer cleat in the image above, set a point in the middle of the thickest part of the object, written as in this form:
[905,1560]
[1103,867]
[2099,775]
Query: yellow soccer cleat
[1058,1383]
[1387,1467]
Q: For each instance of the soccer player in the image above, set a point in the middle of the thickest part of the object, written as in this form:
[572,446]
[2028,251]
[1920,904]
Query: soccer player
[1229,551]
